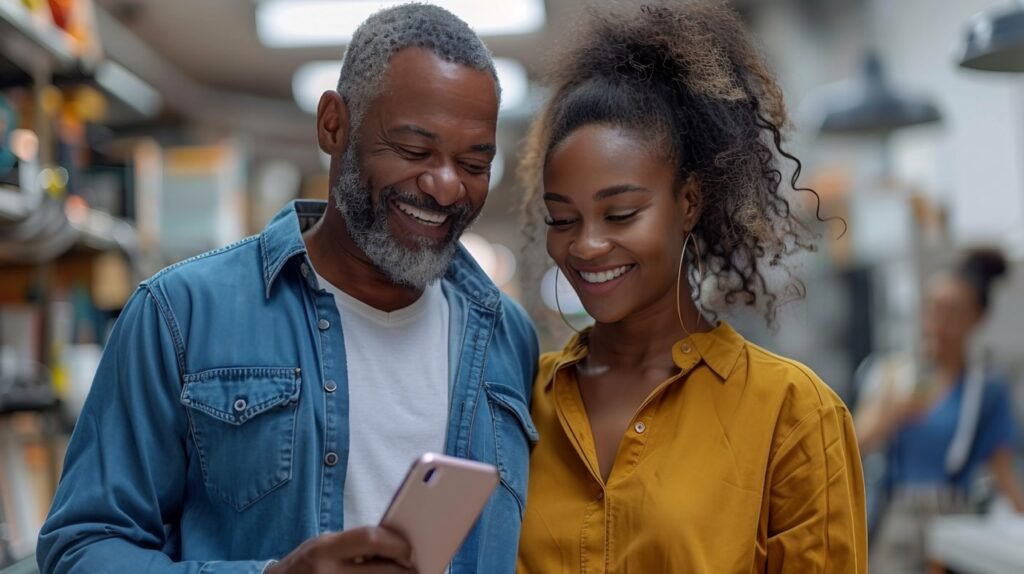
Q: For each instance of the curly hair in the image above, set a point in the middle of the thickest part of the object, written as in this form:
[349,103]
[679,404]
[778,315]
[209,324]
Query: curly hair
[687,78]
[391,30]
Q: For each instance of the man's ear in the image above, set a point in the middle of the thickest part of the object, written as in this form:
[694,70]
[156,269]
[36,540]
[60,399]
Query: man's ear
[333,124]
[690,202]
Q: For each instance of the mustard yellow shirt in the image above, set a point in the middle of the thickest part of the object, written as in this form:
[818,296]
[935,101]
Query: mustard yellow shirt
[743,462]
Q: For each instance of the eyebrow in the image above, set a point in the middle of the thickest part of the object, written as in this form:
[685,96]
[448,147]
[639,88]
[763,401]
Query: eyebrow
[619,189]
[487,148]
[602,194]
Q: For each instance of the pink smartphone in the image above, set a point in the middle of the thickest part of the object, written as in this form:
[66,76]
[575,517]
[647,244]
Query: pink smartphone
[436,506]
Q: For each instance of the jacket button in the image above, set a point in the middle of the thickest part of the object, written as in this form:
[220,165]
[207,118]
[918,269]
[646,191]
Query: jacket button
[331,459]
[640,428]
[330,386]
[323,324]
[240,405]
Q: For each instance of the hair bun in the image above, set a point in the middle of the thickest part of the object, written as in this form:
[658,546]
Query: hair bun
[987,263]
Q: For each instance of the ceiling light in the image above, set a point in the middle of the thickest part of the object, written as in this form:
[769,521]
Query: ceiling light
[306,23]
[312,79]
[872,106]
[995,41]
[515,84]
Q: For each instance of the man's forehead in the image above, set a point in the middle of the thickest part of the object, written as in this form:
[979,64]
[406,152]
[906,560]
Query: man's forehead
[420,83]
[415,66]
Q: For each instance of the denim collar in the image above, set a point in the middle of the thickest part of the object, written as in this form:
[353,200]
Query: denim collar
[281,241]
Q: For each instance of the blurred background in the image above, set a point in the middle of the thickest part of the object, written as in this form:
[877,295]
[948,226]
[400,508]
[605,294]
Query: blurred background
[136,133]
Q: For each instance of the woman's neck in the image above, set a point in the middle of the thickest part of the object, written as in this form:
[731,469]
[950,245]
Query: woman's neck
[949,367]
[644,339]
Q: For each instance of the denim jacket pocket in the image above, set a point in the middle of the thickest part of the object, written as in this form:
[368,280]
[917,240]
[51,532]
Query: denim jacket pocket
[514,435]
[243,424]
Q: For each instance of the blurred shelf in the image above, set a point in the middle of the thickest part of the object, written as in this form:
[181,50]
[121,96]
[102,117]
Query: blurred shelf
[39,232]
[28,42]
[13,205]
[27,400]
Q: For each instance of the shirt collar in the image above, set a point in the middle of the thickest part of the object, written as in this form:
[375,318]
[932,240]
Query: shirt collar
[281,240]
[719,348]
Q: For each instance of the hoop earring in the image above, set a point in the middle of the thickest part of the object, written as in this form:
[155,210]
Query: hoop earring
[679,281]
[559,305]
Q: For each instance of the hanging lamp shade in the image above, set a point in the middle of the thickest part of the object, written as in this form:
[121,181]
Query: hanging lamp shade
[872,106]
[995,41]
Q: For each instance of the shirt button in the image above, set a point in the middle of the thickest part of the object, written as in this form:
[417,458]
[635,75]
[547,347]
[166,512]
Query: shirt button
[330,386]
[331,459]
[686,348]
[240,405]
[640,428]
[305,270]
[323,324]
[600,495]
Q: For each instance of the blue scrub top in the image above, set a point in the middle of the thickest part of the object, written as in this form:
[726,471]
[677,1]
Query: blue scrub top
[917,454]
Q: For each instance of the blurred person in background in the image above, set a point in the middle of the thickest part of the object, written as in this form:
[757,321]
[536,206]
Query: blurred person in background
[939,420]
[265,400]
[669,442]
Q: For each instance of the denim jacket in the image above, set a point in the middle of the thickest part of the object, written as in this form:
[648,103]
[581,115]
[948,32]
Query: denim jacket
[215,436]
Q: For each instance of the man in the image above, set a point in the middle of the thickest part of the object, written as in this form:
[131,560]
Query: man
[263,401]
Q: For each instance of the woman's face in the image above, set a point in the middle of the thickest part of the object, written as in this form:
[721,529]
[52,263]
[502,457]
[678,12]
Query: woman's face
[616,220]
[950,313]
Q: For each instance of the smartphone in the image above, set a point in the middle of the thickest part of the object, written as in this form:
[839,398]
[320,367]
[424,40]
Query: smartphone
[436,506]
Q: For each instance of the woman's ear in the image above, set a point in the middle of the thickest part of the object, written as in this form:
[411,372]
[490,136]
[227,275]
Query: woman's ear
[333,124]
[690,202]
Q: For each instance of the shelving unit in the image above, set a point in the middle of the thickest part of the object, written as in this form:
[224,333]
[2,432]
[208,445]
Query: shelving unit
[30,43]
[46,243]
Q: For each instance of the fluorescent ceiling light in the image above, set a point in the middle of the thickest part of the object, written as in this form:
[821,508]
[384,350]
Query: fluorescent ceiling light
[306,23]
[314,78]
[515,85]
[311,80]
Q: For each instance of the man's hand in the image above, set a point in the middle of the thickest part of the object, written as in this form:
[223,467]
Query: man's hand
[369,550]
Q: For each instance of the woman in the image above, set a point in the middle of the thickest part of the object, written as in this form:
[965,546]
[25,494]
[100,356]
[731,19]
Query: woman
[668,442]
[941,422]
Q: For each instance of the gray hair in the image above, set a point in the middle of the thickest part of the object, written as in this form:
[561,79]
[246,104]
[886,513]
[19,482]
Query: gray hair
[394,29]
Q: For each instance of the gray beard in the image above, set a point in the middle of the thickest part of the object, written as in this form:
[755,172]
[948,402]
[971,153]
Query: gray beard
[367,224]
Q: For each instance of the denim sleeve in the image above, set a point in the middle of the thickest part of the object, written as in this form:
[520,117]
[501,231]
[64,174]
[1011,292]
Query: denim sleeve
[123,478]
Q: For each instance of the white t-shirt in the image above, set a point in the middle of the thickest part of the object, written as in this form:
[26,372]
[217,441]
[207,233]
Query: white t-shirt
[398,395]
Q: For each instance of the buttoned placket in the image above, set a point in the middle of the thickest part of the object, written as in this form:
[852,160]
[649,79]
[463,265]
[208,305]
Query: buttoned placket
[570,409]
[332,383]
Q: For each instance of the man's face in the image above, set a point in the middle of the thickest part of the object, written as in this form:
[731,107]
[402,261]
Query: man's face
[417,173]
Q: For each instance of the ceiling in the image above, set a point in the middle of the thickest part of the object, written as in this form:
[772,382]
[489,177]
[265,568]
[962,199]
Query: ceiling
[208,63]
[245,86]
[216,43]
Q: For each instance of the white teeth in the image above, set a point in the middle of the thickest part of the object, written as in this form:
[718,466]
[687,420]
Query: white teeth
[604,276]
[431,218]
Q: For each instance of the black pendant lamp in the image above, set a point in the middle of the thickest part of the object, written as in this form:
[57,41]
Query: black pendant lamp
[872,107]
[995,40]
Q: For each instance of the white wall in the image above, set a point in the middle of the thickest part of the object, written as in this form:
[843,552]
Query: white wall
[980,156]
